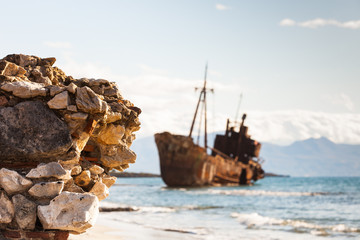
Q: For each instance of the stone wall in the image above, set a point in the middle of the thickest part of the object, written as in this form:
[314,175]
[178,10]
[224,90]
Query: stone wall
[59,138]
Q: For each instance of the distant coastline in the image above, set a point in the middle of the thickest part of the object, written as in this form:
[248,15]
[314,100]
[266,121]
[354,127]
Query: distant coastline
[268,174]
[142,175]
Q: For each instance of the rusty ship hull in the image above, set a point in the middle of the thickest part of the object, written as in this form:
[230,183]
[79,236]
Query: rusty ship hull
[184,163]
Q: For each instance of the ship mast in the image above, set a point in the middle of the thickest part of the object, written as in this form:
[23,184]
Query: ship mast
[238,109]
[202,98]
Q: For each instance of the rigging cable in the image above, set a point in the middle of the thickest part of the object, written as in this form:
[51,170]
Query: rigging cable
[213,114]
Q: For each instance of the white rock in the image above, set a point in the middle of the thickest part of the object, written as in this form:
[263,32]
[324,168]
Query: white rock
[25,212]
[25,89]
[100,190]
[53,169]
[60,101]
[46,189]
[70,211]
[6,209]
[12,182]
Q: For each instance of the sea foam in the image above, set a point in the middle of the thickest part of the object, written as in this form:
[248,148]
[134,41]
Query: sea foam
[261,193]
[255,220]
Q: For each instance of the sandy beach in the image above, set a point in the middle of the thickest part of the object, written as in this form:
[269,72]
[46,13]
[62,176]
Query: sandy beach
[106,228]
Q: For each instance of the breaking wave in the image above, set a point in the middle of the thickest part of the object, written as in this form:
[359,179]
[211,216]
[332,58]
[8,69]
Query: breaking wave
[114,207]
[254,220]
[262,193]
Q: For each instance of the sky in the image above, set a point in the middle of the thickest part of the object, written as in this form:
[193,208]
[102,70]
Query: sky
[295,62]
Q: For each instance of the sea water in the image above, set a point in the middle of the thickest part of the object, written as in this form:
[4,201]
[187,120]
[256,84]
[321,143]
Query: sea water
[272,208]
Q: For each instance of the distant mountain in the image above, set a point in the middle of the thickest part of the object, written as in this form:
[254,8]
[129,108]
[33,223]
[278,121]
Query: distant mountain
[311,157]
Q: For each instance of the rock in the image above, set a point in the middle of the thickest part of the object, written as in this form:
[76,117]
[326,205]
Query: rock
[53,169]
[53,127]
[88,101]
[108,180]
[113,156]
[111,135]
[71,88]
[54,89]
[25,212]
[39,78]
[97,82]
[60,101]
[24,135]
[23,60]
[12,182]
[25,89]
[79,116]
[112,91]
[113,116]
[122,167]
[50,61]
[76,170]
[3,101]
[84,179]
[70,186]
[76,124]
[96,170]
[70,211]
[46,189]
[72,108]
[81,140]
[72,158]
[117,107]
[11,69]
[100,190]
[6,209]
[104,87]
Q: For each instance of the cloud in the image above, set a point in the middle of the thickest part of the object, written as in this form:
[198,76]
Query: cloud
[287,22]
[57,44]
[341,100]
[320,22]
[221,7]
[152,70]
[347,101]
[86,69]
[285,127]
[215,73]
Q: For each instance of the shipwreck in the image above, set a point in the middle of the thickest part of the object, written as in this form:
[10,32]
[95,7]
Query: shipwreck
[234,158]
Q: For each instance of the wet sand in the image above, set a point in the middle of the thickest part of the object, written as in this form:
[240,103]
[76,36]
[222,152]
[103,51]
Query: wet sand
[108,229]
